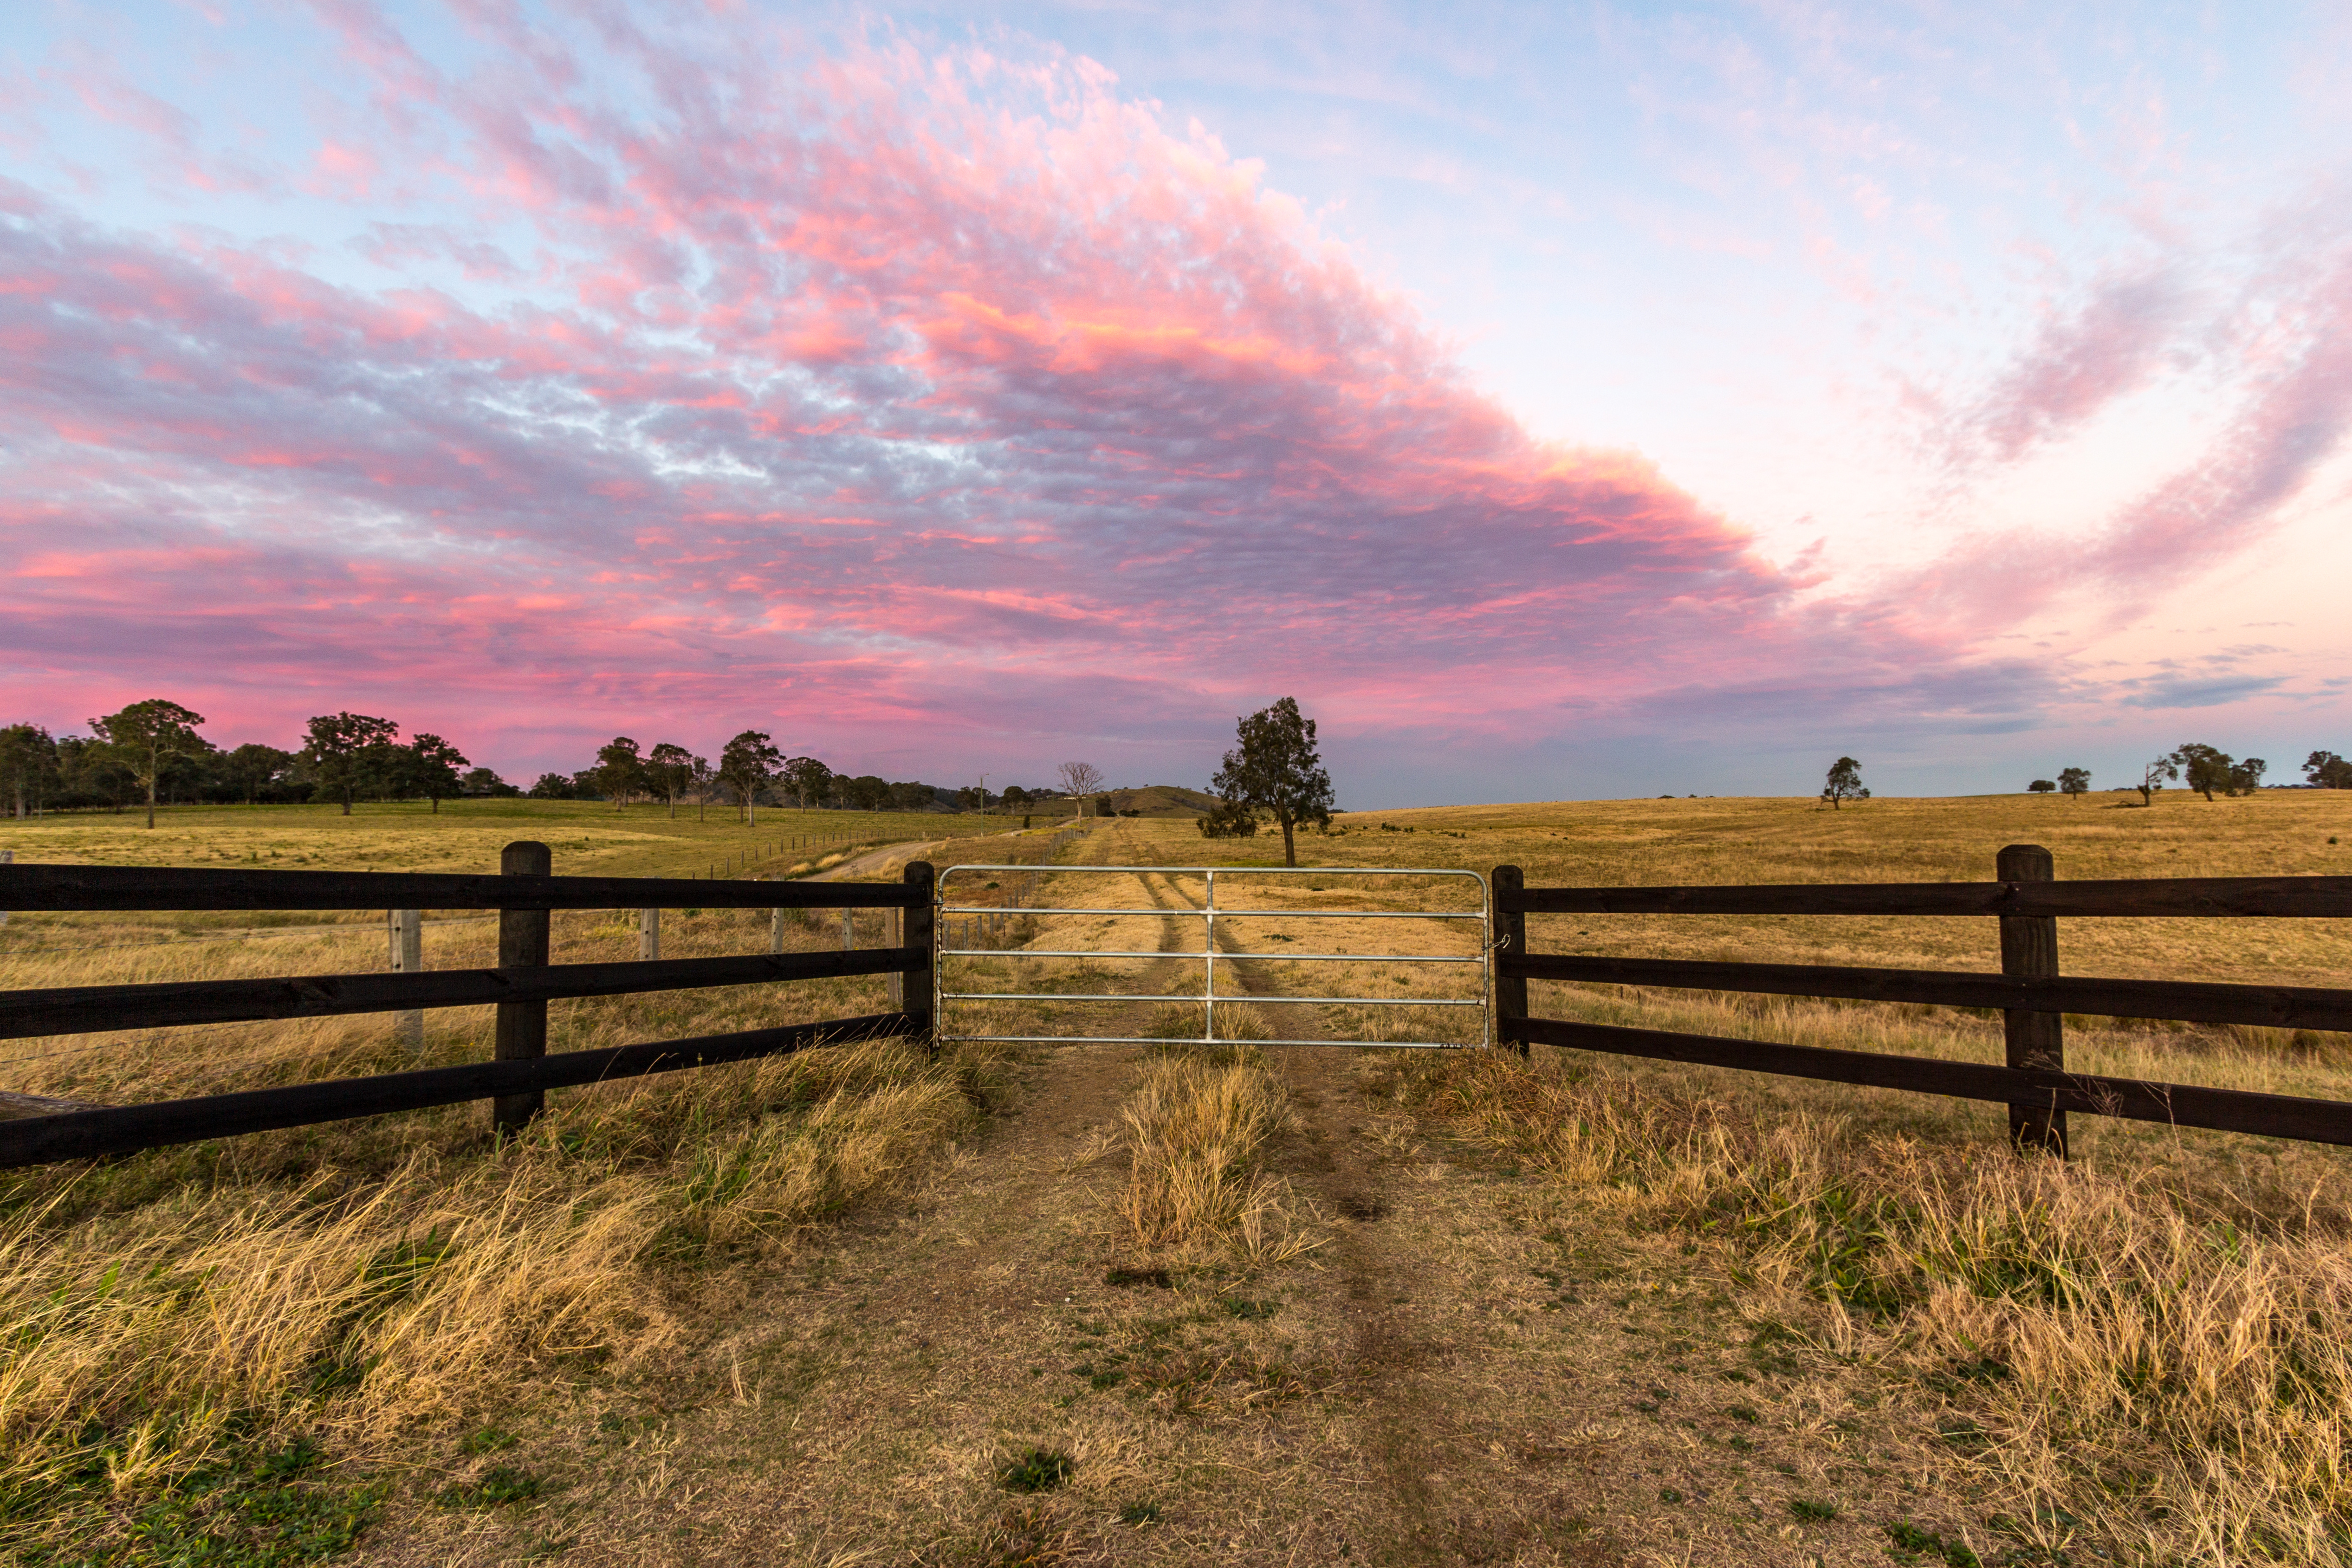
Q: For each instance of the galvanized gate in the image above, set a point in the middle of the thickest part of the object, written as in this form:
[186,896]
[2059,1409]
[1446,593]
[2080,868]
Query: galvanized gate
[959,921]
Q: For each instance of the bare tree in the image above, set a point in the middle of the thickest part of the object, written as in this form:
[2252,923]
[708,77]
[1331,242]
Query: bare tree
[1080,780]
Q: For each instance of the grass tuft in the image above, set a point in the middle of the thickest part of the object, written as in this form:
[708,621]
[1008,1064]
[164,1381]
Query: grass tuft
[1035,1470]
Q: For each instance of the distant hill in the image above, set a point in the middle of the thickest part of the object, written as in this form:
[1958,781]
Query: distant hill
[1159,800]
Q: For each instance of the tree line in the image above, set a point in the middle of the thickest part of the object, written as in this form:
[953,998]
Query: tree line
[2210,771]
[752,771]
[152,753]
[2207,769]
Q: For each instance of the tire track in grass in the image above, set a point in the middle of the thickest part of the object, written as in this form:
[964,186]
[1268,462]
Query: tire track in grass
[1394,1368]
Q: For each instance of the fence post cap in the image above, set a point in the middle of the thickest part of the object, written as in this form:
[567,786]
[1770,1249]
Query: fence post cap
[2025,863]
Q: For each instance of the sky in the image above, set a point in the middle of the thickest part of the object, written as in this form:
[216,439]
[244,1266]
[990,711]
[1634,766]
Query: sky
[1560,401]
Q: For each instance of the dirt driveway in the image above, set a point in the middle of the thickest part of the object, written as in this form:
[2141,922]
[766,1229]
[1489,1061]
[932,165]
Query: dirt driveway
[1467,1367]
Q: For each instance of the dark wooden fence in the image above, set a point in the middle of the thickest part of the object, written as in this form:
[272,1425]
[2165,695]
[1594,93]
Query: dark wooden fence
[2031,993]
[519,1072]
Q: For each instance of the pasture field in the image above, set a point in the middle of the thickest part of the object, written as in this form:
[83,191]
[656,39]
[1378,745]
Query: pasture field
[1167,1303]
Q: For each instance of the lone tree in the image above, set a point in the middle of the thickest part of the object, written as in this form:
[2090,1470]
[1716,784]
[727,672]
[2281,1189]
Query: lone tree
[2041,786]
[1274,773]
[2075,782]
[344,749]
[146,736]
[2322,770]
[1080,780]
[428,766]
[746,764]
[1844,784]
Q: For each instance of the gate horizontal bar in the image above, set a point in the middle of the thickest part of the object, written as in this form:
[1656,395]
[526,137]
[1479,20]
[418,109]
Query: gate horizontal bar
[1192,996]
[1196,998]
[1221,871]
[1285,957]
[1223,914]
[1359,1001]
[1197,1040]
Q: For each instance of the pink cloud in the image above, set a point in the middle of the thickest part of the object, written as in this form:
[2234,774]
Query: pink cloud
[2112,345]
[913,385]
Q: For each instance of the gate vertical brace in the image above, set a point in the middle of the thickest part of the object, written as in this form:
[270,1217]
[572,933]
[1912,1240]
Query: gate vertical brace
[1209,963]
[918,984]
[1510,942]
[2029,946]
[521,1026]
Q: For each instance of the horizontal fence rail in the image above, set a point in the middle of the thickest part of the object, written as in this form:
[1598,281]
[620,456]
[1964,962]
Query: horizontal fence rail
[122,1129]
[2301,898]
[519,988]
[116,887]
[2227,1110]
[2194,1002]
[2032,996]
[88,1009]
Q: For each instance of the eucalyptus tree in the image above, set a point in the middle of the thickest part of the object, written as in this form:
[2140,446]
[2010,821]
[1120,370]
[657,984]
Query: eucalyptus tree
[1276,773]
[145,738]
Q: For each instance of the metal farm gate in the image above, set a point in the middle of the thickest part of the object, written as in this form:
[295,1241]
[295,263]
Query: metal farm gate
[961,926]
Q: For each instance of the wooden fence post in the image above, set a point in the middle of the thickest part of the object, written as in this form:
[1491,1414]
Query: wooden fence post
[406,928]
[1510,942]
[648,935]
[2029,946]
[916,932]
[775,930]
[521,1026]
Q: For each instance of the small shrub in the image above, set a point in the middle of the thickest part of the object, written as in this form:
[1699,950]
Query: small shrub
[1035,1470]
[501,1484]
[1911,1542]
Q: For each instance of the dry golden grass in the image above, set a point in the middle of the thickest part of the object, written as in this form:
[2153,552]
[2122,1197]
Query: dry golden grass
[2138,1368]
[2144,1353]
[191,1313]
[286,1294]
[1195,1129]
[2140,1355]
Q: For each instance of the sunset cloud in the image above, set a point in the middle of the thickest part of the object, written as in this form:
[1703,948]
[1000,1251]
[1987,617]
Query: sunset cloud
[687,369]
